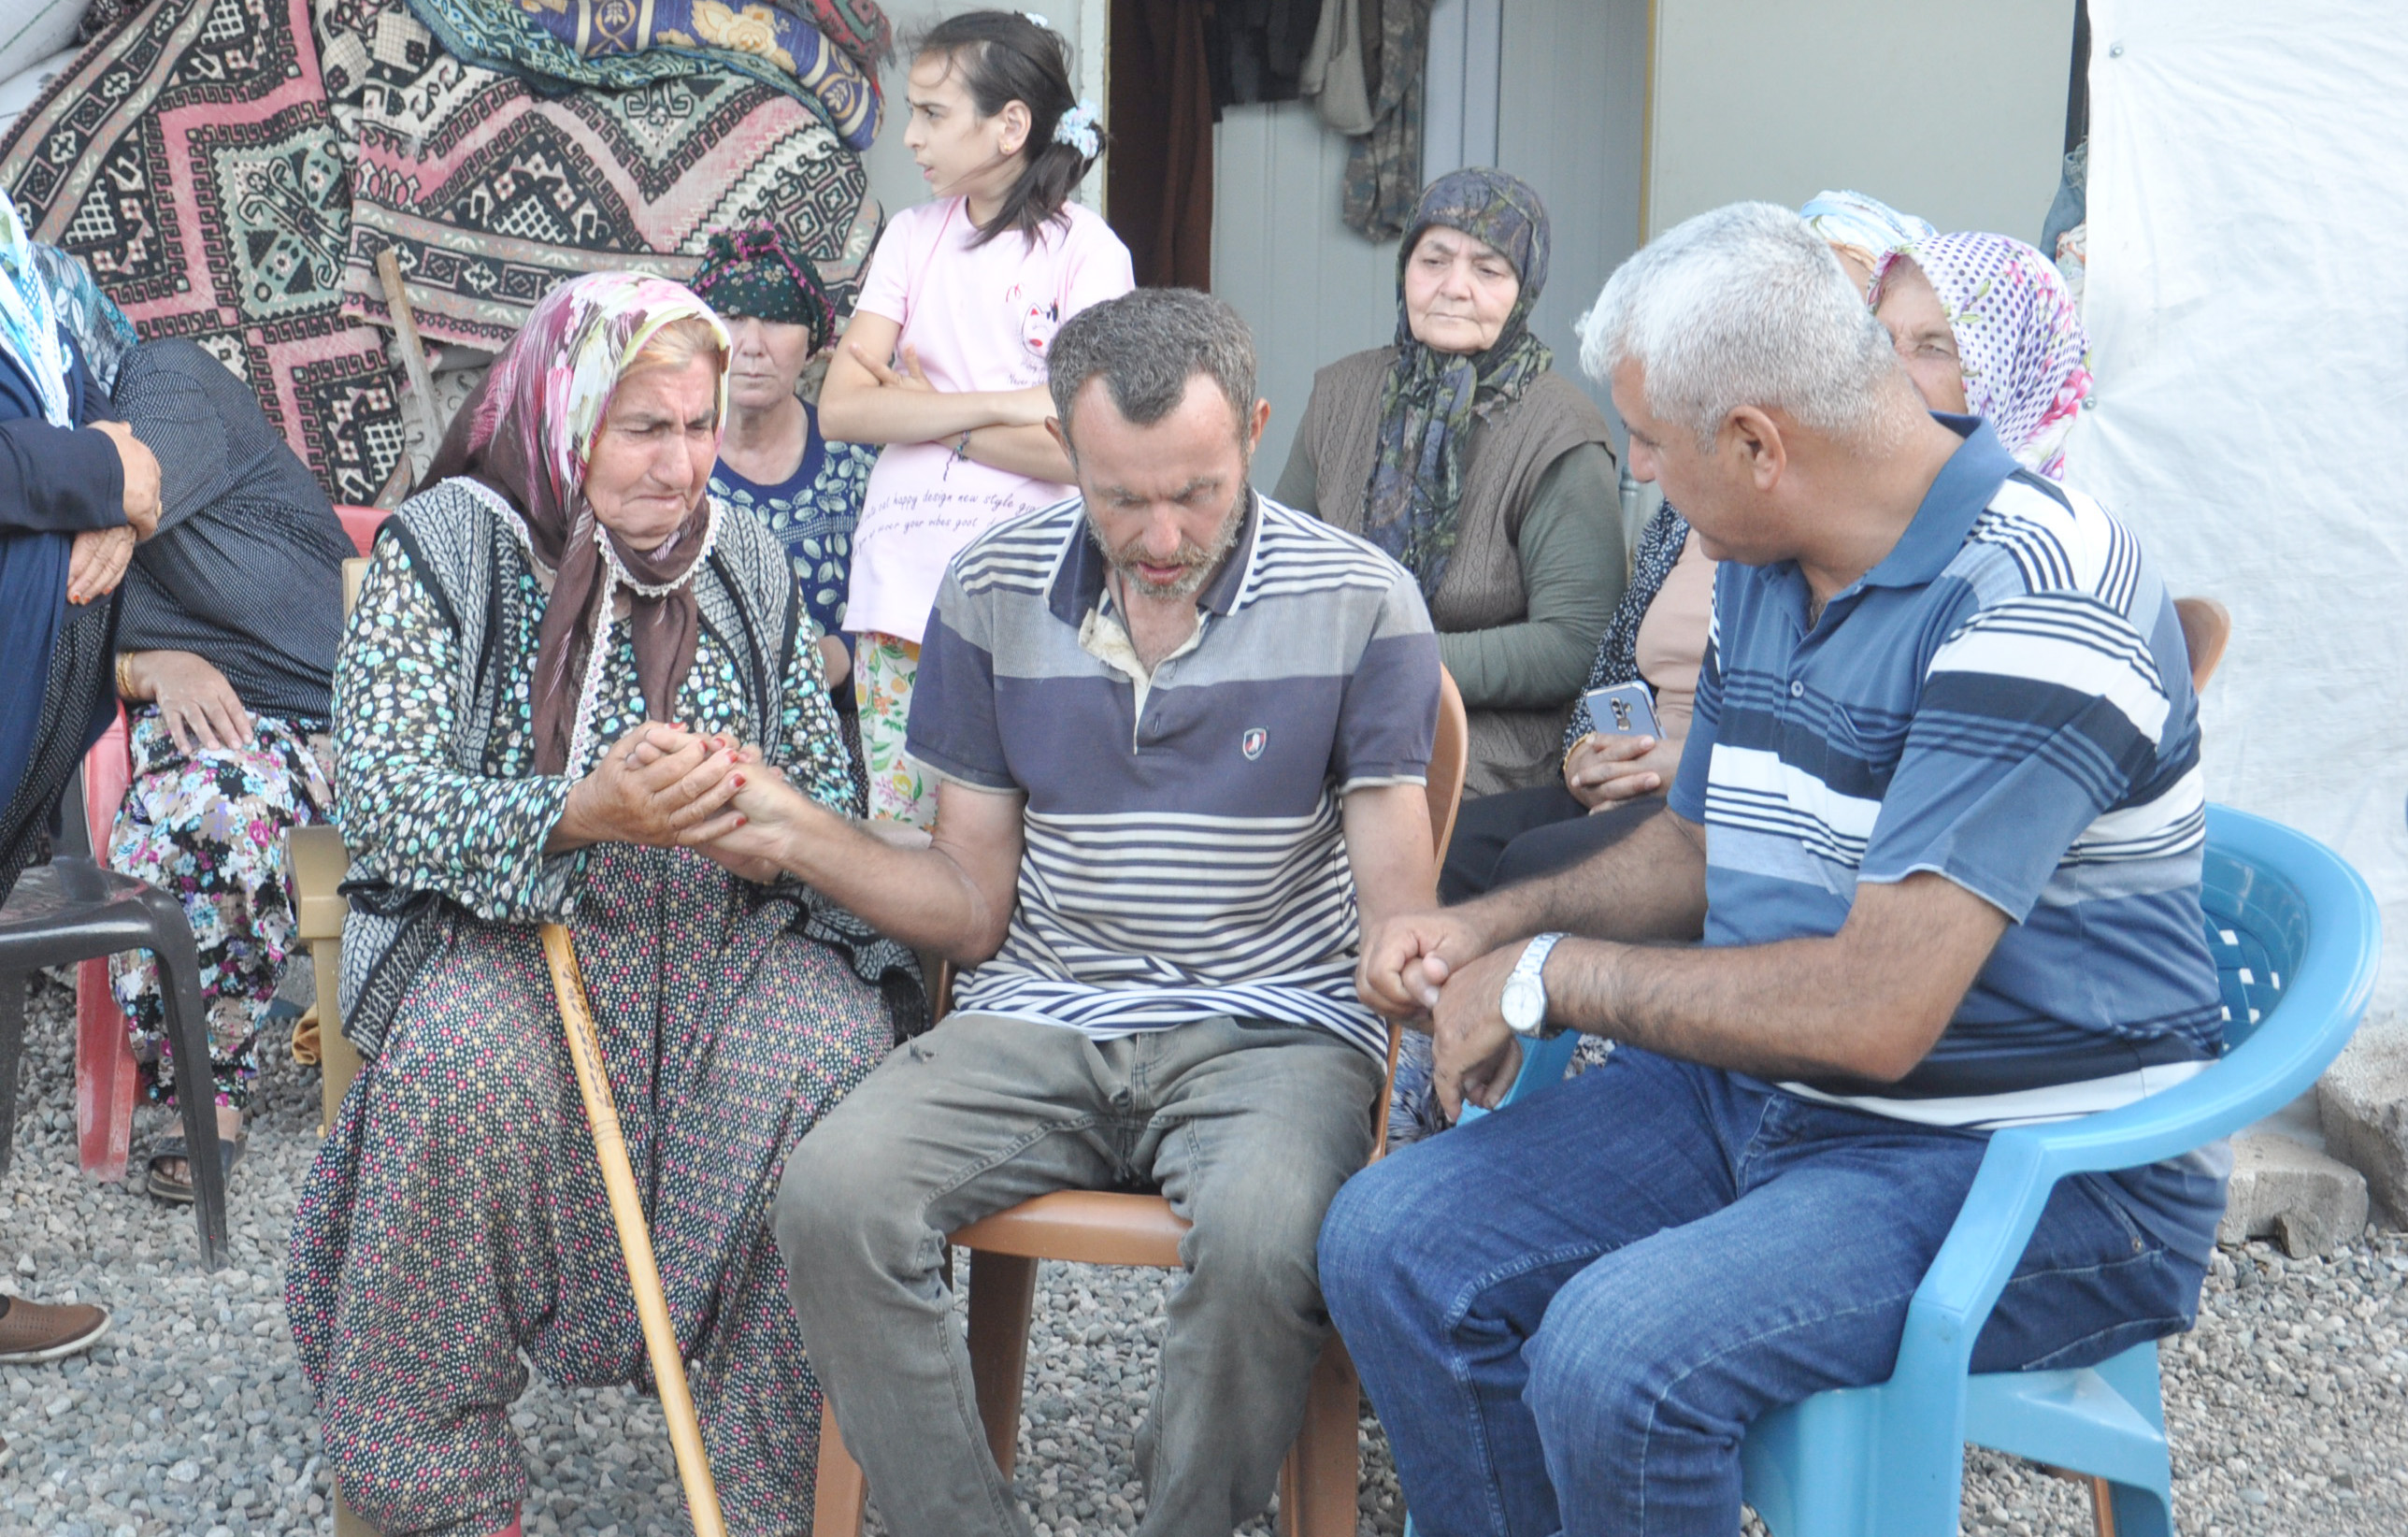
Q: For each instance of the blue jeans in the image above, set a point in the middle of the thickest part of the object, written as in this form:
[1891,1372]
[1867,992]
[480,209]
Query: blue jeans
[1568,1313]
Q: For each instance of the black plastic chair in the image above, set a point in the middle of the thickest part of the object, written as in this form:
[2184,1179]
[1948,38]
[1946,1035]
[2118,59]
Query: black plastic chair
[72,910]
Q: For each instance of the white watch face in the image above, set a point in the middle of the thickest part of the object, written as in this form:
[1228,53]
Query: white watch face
[1525,1004]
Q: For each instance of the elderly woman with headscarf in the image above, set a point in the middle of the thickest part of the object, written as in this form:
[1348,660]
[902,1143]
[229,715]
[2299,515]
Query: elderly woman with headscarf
[773,463]
[1463,453]
[544,701]
[1986,328]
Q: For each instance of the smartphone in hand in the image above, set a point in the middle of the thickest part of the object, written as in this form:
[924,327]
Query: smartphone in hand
[1623,709]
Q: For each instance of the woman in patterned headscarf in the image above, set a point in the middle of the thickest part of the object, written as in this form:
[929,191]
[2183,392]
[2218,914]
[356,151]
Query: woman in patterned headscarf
[773,463]
[1462,453]
[539,710]
[1986,327]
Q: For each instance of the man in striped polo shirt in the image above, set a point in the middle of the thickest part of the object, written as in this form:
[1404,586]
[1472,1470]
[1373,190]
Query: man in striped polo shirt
[1181,733]
[1939,825]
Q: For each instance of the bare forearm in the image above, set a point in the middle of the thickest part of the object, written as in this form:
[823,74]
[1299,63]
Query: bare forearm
[871,413]
[1650,886]
[1867,1002]
[1798,1009]
[920,896]
[1021,451]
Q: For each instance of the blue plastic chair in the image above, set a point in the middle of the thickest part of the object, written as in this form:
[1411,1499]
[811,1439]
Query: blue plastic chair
[2297,940]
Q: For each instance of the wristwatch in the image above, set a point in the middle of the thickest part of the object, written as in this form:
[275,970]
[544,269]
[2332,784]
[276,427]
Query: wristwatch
[1526,992]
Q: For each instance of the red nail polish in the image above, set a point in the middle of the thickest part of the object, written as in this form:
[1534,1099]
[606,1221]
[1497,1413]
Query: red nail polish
[739,782]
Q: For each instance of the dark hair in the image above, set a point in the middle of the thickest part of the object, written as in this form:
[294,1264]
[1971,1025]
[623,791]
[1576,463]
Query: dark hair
[1146,345]
[1002,57]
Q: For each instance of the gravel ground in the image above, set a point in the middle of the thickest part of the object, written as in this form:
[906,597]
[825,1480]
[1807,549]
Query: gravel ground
[192,1415]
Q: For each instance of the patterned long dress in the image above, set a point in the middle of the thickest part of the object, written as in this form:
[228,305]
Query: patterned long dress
[455,1217]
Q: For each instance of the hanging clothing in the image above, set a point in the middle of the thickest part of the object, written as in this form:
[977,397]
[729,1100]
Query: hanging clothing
[1383,167]
[1260,46]
[1334,73]
[1159,176]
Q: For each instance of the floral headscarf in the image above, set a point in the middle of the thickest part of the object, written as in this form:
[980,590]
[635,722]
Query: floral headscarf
[1412,504]
[2019,338]
[29,321]
[528,433]
[1866,225]
[748,273]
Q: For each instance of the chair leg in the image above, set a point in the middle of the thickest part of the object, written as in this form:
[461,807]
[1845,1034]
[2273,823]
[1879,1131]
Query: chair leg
[1323,1474]
[188,1027]
[1003,1286]
[339,1060]
[840,1491]
[106,1074]
[2102,1507]
[12,1041]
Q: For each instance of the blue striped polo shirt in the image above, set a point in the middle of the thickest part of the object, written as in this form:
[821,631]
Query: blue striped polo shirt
[1185,855]
[2004,700]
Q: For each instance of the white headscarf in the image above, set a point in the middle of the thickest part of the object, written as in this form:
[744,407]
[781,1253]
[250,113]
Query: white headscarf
[29,321]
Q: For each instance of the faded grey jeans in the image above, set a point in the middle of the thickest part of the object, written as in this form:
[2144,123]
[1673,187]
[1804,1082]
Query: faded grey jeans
[1248,1126]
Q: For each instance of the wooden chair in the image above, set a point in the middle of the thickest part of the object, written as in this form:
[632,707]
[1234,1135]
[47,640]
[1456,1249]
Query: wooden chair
[2207,630]
[1318,1485]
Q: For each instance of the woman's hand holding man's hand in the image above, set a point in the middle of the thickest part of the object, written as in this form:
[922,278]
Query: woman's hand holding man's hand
[659,786]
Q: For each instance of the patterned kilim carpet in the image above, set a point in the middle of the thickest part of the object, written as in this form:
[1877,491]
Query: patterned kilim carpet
[190,158]
[492,192]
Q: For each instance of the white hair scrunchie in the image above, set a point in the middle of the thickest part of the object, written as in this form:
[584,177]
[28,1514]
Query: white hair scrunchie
[1077,129]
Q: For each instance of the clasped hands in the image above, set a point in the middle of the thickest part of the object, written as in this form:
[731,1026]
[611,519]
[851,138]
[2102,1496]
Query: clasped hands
[667,787]
[98,558]
[1439,972]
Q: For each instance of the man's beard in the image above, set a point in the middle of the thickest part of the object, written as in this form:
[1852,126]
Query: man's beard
[1196,562]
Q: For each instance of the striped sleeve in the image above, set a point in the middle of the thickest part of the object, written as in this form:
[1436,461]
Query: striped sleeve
[953,728]
[2039,715]
[1387,718]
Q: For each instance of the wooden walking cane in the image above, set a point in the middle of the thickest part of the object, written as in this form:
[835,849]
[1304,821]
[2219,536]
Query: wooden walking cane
[635,1238]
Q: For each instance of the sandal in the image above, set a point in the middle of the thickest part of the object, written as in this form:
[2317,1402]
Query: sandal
[178,1192]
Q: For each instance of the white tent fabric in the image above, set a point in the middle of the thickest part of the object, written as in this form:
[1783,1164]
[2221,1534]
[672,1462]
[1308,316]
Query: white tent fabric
[2249,313]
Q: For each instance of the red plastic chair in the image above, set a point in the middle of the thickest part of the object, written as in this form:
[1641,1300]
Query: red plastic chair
[106,1072]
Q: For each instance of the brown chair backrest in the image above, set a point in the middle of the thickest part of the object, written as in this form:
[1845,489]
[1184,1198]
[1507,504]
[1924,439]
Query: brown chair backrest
[1450,757]
[2207,628]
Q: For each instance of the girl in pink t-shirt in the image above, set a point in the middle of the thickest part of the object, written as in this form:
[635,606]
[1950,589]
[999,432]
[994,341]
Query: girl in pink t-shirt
[944,362]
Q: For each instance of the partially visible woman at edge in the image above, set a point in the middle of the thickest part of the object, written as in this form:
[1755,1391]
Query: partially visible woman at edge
[541,707]
[1462,453]
[774,463]
[944,360]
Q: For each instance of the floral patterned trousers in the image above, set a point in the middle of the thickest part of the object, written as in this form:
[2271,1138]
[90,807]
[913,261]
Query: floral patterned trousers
[210,827]
[883,671]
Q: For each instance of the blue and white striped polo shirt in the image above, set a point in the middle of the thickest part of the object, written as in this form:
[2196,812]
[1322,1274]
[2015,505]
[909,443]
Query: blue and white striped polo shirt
[2004,700]
[1184,856]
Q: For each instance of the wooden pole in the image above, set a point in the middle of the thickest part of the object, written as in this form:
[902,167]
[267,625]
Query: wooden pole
[635,1238]
[413,351]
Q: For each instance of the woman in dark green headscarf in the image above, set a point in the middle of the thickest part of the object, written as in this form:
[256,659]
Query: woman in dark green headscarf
[773,463]
[1463,453]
